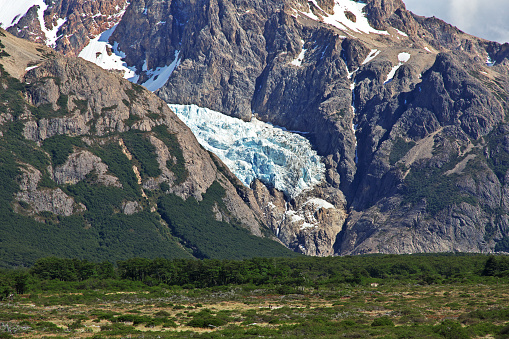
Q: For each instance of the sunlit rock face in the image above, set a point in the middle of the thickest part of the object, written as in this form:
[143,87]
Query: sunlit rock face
[255,149]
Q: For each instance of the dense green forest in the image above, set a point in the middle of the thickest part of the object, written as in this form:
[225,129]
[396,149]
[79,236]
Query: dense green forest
[284,272]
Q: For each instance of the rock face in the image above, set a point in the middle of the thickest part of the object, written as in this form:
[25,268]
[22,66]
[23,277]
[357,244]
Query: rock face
[44,200]
[75,22]
[309,224]
[405,117]
[81,164]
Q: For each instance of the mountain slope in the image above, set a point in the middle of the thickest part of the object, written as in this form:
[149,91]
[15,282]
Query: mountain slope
[96,167]
[408,113]
[404,109]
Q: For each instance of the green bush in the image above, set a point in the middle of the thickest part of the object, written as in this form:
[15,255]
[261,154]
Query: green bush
[205,319]
[437,189]
[399,149]
[382,321]
[60,147]
[194,223]
[170,140]
[451,330]
[47,326]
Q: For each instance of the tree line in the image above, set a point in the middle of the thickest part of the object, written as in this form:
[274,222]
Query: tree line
[301,271]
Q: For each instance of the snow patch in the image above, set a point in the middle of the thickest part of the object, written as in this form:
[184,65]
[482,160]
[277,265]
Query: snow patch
[298,61]
[340,20]
[97,52]
[160,75]
[256,149]
[490,62]
[401,33]
[295,217]
[30,68]
[307,225]
[402,58]
[373,54]
[51,35]
[319,203]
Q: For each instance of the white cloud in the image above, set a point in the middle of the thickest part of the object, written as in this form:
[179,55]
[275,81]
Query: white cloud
[477,17]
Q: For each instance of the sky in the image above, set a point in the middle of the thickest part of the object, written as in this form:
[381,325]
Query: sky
[482,18]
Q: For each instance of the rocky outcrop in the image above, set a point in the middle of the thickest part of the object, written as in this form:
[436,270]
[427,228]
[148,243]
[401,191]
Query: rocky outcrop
[81,164]
[131,207]
[35,200]
[309,224]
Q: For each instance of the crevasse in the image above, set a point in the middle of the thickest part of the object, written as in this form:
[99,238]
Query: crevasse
[256,149]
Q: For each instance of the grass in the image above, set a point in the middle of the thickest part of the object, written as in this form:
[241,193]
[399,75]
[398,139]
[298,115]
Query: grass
[418,311]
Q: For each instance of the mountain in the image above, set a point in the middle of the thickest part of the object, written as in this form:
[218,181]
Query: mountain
[66,26]
[96,167]
[409,114]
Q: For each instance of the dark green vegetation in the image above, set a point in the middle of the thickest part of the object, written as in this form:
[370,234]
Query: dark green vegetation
[101,230]
[144,151]
[439,190]
[399,150]
[60,147]
[190,220]
[170,140]
[417,296]
[442,187]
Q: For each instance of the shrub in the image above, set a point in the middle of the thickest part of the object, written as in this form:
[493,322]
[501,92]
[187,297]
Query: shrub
[144,152]
[451,330]
[382,321]
[204,319]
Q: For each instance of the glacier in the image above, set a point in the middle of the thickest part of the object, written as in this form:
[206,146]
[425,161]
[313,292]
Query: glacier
[274,155]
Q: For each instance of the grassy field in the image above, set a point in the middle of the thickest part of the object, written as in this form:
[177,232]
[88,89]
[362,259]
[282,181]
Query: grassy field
[389,310]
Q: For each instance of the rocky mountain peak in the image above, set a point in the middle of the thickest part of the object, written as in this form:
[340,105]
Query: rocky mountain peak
[67,26]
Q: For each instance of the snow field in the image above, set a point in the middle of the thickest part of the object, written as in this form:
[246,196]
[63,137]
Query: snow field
[12,11]
[97,52]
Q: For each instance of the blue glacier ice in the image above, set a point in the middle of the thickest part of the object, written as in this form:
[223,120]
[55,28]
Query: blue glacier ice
[256,149]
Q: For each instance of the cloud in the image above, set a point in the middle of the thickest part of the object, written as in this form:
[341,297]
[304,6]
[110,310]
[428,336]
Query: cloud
[463,13]
[472,16]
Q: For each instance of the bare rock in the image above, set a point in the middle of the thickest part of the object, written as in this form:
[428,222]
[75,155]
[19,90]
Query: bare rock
[131,207]
[44,199]
[81,164]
